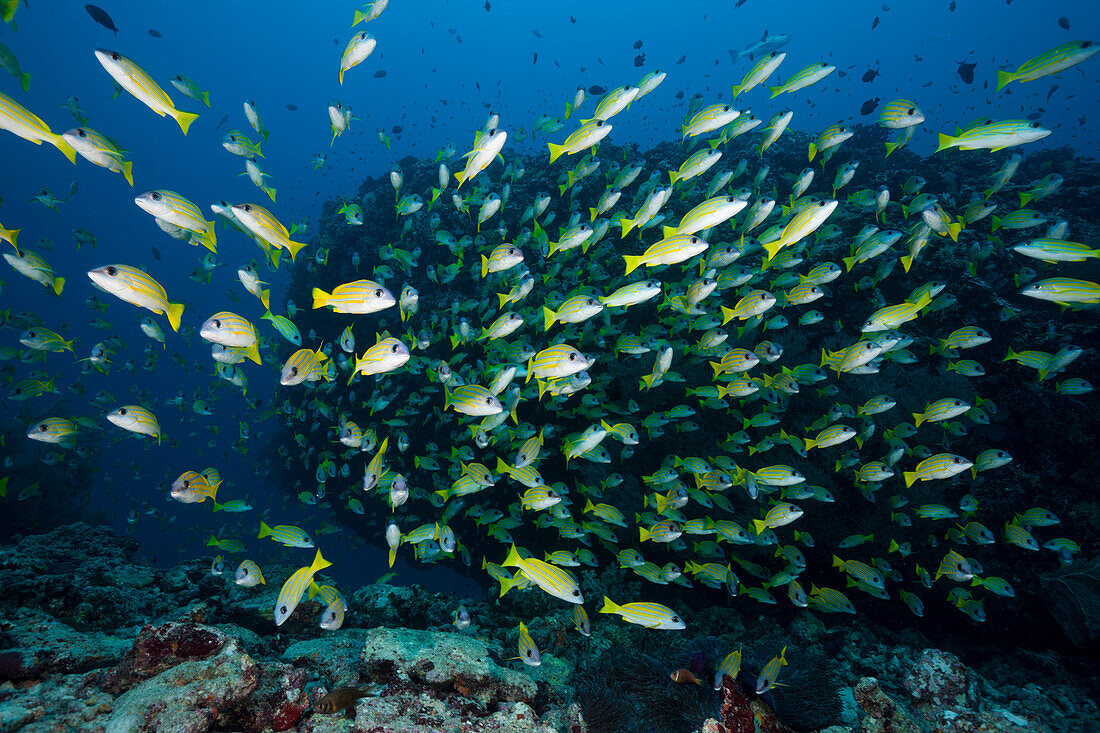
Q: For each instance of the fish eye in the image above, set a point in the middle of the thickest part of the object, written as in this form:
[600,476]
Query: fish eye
[81,132]
[591,302]
[42,428]
[1034,125]
[576,593]
[378,293]
[488,400]
[599,123]
[393,348]
[958,403]
[956,460]
[294,371]
[282,609]
[115,56]
[912,111]
[122,411]
[247,207]
[217,324]
[572,357]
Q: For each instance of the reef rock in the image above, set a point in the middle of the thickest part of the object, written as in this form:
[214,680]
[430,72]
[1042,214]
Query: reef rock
[884,715]
[445,662]
[158,648]
[187,697]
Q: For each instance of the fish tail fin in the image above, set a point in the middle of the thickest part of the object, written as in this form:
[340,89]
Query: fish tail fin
[918,419]
[294,247]
[265,298]
[209,239]
[174,312]
[461,178]
[270,192]
[910,477]
[837,562]
[320,298]
[945,142]
[890,147]
[556,151]
[812,151]
[632,263]
[205,98]
[66,149]
[568,109]
[953,230]
[673,176]
[849,262]
[184,119]
[1003,79]
[773,247]
[59,283]
[264,530]
[995,223]
[906,262]
[25,80]
[128,171]
[671,232]
[609,606]
[484,266]
[627,225]
[776,91]
[392,557]
[759,525]
[548,317]
[253,352]
[319,563]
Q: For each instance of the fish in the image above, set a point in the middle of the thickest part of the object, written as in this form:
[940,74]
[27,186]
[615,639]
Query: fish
[359,47]
[994,136]
[644,613]
[137,288]
[1054,61]
[295,586]
[99,15]
[10,64]
[135,419]
[137,82]
[341,698]
[18,120]
[100,150]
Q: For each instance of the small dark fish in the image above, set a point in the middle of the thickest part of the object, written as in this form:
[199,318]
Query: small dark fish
[596,89]
[397,129]
[680,94]
[154,33]
[537,34]
[535,58]
[966,71]
[487,6]
[1063,23]
[335,41]
[379,74]
[739,3]
[951,7]
[222,121]
[340,699]
[874,23]
[1035,115]
[1053,89]
[870,75]
[681,60]
[869,106]
[99,15]
[637,45]
[156,253]
[639,59]
[572,20]
[292,107]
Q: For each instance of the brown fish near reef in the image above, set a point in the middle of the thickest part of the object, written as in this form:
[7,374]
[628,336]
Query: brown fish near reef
[340,700]
[685,677]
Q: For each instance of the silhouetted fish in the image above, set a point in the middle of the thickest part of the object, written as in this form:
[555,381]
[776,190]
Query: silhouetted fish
[99,15]
[966,71]
[870,74]
[156,253]
[869,106]
[1063,22]
[222,121]
[292,107]
[379,74]
[154,33]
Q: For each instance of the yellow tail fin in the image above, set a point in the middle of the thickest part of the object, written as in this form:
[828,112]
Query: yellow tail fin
[175,310]
[184,119]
